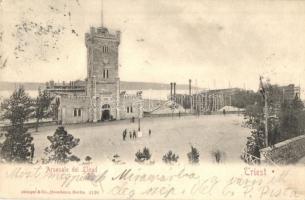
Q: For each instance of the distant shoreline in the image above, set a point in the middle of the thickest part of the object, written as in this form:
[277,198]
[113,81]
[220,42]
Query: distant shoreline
[125,85]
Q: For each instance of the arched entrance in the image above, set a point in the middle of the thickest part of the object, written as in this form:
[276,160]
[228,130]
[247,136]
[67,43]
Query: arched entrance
[105,112]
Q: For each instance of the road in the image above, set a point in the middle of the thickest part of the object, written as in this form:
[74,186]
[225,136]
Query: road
[207,133]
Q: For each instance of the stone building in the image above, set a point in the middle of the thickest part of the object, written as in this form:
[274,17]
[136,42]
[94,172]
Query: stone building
[289,92]
[98,97]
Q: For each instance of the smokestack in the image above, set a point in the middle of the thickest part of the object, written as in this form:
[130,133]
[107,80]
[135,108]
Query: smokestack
[171,97]
[174,90]
[190,86]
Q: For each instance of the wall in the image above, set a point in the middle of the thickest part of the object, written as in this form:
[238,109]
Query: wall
[286,152]
[67,106]
[133,101]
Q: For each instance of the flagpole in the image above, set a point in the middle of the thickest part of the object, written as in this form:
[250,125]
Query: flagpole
[102,13]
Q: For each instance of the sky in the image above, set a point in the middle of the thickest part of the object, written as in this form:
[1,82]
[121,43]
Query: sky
[218,44]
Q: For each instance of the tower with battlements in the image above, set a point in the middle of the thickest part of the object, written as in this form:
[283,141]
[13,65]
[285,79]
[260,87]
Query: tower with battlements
[99,98]
[102,84]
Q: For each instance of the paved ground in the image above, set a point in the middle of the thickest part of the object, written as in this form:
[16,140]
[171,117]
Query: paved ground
[207,133]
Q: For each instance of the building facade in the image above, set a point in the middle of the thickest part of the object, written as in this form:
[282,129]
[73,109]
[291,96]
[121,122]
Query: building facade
[98,98]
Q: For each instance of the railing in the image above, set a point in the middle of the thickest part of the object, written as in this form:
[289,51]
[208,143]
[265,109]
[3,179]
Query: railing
[250,159]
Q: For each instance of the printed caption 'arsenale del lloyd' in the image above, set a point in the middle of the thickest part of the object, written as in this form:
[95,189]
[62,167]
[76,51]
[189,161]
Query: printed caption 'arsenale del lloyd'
[98,98]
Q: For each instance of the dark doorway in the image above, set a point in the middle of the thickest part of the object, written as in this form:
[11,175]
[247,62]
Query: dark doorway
[105,115]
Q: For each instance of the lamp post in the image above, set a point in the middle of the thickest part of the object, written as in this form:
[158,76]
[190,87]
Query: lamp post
[266,118]
[264,87]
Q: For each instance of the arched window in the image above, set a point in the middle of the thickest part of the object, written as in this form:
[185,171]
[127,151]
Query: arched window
[106,106]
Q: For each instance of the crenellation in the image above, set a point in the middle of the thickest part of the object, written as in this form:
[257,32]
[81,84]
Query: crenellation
[98,96]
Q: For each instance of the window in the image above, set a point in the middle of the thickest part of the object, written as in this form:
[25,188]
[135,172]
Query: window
[131,109]
[105,49]
[105,73]
[127,109]
[77,112]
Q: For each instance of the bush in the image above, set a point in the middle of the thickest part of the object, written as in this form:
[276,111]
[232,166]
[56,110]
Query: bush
[170,157]
[61,144]
[143,156]
[193,155]
[88,158]
[218,155]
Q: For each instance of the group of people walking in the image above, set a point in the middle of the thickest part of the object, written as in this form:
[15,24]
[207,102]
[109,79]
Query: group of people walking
[133,134]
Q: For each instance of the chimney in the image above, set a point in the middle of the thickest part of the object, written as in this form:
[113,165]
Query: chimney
[190,87]
[174,90]
[171,97]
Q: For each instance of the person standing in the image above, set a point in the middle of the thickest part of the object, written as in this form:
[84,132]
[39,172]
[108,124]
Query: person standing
[130,135]
[149,131]
[134,134]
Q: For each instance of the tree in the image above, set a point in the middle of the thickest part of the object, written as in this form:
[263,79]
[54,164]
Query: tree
[255,119]
[286,120]
[218,155]
[18,146]
[60,149]
[18,108]
[142,156]
[292,119]
[170,157]
[42,105]
[193,155]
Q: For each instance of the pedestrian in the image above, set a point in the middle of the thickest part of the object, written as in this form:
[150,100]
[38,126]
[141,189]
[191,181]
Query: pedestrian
[179,115]
[123,134]
[134,134]
[130,135]
[224,112]
[149,131]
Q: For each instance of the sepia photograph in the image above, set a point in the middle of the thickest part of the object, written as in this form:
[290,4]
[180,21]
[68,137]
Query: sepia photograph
[163,99]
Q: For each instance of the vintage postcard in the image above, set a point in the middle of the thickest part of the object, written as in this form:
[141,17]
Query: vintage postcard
[163,99]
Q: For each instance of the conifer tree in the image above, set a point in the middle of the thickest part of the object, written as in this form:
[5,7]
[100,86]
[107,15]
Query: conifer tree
[42,105]
[18,146]
[61,144]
